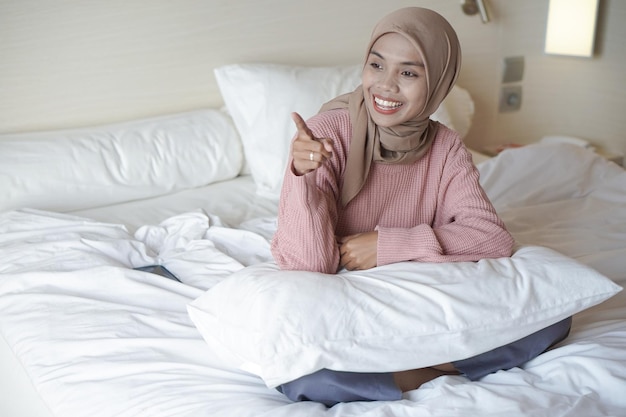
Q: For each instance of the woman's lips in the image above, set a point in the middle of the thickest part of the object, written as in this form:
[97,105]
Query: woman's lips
[386,106]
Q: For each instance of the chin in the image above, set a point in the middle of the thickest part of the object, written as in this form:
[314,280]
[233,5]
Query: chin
[386,120]
[382,119]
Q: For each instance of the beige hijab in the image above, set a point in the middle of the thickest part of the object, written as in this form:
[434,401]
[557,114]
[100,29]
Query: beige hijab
[438,45]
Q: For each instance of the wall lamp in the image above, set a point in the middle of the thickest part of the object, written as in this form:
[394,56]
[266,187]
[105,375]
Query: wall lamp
[571,27]
[472,7]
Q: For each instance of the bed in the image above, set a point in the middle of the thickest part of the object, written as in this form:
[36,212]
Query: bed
[86,332]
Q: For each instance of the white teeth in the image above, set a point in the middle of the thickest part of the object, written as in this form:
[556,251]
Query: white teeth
[387,104]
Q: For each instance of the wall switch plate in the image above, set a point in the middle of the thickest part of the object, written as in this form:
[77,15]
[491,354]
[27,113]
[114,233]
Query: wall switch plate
[510,98]
[513,70]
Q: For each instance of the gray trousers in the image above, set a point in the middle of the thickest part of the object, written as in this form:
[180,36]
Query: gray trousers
[332,387]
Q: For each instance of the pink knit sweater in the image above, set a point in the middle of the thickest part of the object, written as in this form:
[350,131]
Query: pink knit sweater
[433,210]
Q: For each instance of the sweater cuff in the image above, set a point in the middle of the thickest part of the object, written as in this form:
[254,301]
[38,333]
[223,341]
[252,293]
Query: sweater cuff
[398,245]
[303,188]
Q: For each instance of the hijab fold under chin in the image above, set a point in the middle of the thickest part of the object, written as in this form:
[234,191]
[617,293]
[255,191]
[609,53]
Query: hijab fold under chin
[438,45]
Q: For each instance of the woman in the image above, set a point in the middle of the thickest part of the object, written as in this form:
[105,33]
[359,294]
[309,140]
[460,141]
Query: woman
[373,181]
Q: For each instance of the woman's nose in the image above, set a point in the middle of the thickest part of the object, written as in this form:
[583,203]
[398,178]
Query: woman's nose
[388,81]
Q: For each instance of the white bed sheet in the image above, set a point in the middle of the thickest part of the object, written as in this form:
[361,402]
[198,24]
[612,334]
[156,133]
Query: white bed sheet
[99,339]
[234,201]
[231,202]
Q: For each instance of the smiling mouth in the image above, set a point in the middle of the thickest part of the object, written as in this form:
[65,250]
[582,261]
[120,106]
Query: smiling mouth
[386,105]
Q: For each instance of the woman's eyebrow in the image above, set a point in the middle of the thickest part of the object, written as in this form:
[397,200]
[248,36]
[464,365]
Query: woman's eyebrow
[412,63]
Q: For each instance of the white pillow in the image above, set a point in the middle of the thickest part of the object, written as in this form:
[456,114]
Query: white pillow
[459,107]
[261,97]
[281,325]
[83,168]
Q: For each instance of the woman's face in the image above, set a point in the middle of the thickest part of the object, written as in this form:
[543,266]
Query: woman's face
[394,81]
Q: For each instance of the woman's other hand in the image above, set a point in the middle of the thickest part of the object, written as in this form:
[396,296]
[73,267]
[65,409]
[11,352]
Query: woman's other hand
[358,251]
[308,152]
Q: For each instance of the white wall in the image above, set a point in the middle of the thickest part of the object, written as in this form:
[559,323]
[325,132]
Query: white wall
[79,62]
[575,96]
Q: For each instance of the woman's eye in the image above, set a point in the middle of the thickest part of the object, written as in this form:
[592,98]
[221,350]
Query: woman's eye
[409,74]
[375,65]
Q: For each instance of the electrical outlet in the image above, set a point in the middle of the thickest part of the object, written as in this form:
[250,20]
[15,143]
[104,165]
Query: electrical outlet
[513,69]
[510,98]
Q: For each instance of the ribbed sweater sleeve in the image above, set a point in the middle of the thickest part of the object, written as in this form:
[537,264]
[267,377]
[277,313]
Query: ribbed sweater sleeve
[307,213]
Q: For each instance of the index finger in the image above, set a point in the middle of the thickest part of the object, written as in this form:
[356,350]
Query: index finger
[301,125]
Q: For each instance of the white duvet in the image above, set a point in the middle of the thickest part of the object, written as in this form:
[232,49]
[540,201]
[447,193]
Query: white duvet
[99,339]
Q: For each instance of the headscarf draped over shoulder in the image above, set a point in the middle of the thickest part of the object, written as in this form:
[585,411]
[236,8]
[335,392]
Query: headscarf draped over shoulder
[437,43]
